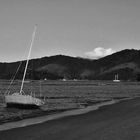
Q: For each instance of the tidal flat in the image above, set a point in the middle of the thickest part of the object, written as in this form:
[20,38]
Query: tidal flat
[64,95]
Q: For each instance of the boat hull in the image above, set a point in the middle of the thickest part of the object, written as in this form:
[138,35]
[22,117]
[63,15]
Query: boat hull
[22,106]
[116,80]
[17,100]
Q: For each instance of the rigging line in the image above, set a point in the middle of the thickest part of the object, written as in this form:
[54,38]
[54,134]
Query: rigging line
[13,78]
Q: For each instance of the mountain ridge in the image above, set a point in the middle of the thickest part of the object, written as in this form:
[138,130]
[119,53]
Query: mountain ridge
[125,63]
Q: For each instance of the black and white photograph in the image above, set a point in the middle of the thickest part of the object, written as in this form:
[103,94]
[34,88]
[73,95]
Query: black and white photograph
[69,69]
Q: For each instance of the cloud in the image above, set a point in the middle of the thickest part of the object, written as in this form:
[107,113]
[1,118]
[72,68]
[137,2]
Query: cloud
[99,52]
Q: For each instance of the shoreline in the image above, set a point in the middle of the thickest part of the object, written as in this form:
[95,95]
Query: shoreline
[119,121]
[57,115]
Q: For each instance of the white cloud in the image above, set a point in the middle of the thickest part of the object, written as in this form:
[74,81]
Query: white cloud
[99,52]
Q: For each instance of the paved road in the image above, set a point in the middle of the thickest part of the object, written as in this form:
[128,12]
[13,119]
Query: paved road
[119,121]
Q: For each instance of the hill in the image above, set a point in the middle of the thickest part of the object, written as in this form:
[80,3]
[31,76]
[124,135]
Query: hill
[125,63]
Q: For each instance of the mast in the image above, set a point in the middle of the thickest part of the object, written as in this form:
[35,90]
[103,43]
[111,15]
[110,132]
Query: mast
[117,77]
[32,40]
[40,88]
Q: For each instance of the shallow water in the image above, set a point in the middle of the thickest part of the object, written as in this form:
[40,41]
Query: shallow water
[65,95]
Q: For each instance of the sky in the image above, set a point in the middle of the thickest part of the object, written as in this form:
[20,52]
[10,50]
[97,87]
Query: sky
[79,28]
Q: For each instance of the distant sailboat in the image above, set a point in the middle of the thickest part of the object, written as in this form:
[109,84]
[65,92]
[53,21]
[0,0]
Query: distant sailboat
[116,78]
[20,99]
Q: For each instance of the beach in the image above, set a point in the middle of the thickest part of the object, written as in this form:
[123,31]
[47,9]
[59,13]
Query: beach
[120,121]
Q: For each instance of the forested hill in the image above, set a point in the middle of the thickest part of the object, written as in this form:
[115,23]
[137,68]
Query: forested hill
[125,63]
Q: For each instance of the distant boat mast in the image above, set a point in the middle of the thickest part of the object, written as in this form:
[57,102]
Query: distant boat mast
[32,40]
[116,78]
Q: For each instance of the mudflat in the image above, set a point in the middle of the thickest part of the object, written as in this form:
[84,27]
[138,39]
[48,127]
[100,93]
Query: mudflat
[120,121]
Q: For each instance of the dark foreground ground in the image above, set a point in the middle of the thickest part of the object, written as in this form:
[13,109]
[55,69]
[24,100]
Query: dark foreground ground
[119,121]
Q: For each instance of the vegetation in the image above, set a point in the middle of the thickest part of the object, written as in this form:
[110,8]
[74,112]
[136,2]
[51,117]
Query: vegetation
[125,63]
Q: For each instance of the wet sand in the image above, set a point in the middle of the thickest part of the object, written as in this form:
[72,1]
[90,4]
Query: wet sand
[120,121]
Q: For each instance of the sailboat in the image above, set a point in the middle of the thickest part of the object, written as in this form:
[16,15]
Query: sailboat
[21,99]
[116,78]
